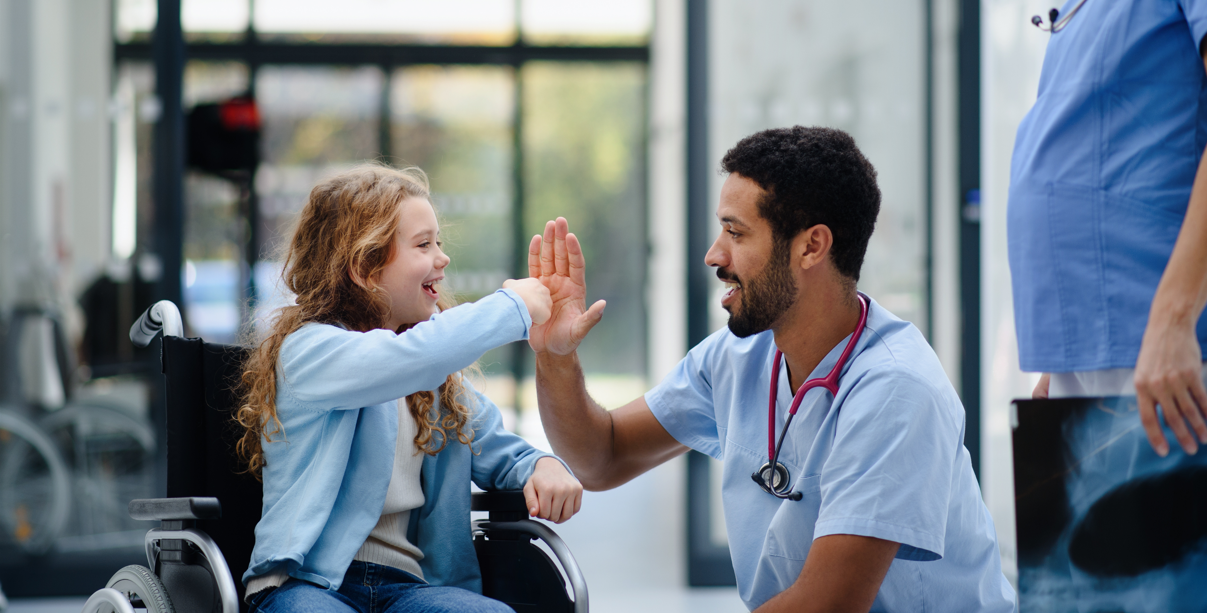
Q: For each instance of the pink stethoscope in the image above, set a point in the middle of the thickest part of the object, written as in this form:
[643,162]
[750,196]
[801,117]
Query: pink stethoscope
[775,481]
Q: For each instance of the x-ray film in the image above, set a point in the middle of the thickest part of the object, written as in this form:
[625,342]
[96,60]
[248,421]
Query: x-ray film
[1105,525]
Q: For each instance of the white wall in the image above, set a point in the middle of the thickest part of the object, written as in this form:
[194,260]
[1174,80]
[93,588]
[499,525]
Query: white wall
[1011,57]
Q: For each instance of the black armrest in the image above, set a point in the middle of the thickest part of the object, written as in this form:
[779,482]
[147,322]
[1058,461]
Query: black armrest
[503,505]
[175,509]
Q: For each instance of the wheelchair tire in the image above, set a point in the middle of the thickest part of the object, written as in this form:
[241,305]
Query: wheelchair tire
[112,455]
[138,583]
[35,486]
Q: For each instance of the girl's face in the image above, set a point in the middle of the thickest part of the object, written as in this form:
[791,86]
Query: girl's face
[417,265]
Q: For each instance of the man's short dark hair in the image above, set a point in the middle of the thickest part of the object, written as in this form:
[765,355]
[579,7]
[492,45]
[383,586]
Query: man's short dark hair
[812,176]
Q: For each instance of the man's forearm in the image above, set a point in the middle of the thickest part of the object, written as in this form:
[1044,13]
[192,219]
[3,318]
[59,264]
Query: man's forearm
[1182,292]
[578,428]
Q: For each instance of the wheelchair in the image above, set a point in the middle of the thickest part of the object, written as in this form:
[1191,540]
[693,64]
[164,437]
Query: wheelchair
[204,540]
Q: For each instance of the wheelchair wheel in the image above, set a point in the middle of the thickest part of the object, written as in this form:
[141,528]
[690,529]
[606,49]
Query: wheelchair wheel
[112,455]
[142,588]
[35,486]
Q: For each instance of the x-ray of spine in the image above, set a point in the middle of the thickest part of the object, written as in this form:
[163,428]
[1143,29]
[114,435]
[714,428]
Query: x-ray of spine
[1105,525]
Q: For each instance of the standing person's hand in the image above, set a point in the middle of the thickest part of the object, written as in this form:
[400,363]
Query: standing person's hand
[557,260]
[1041,387]
[1168,373]
[552,493]
[535,296]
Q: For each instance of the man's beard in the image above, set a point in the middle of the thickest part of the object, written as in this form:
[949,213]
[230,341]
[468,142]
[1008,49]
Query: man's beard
[764,298]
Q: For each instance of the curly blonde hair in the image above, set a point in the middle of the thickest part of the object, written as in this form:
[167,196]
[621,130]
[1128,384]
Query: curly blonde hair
[348,223]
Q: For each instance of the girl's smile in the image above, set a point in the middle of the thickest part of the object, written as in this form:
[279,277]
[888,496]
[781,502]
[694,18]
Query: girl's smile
[416,267]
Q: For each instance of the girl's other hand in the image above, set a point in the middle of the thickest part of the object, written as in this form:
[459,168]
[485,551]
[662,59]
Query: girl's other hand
[552,493]
[535,296]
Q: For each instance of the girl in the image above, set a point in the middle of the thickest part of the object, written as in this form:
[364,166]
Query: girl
[357,391]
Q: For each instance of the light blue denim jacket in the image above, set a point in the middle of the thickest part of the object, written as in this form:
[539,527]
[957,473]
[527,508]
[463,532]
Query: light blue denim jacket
[326,474]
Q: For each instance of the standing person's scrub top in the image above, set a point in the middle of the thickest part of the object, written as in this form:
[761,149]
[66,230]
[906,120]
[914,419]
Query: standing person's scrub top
[1100,180]
[884,459]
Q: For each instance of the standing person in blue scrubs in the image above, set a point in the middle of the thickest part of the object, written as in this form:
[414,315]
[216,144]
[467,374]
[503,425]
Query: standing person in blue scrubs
[1107,218]
[877,506]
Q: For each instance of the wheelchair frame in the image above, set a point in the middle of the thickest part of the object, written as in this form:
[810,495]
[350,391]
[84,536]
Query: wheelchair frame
[508,521]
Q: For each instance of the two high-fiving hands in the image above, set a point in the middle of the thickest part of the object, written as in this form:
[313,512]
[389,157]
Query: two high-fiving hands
[555,293]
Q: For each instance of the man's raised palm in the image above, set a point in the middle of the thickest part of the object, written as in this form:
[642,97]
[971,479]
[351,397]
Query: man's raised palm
[557,260]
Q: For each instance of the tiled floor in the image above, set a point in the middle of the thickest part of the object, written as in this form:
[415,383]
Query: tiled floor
[628,542]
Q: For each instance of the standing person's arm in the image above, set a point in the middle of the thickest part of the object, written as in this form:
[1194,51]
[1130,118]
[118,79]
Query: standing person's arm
[1170,362]
[604,448]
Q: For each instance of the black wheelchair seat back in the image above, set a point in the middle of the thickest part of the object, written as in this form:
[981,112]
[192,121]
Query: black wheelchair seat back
[201,400]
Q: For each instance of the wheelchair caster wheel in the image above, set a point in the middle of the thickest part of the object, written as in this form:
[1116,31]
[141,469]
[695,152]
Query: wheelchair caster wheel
[142,588]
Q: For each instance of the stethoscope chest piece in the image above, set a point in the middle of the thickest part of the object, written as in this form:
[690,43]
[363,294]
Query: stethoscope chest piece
[773,481]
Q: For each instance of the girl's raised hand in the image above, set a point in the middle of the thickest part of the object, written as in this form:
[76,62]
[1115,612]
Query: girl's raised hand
[535,296]
[552,493]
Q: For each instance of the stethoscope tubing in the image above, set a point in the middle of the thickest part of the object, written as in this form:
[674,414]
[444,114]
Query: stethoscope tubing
[829,382]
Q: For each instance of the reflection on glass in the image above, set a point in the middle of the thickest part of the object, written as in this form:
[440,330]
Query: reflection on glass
[584,159]
[456,124]
[475,22]
[586,22]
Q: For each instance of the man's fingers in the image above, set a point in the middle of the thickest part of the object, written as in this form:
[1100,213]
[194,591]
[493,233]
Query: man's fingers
[1199,395]
[547,267]
[575,260]
[560,229]
[1152,425]
[530,499]
[534,256]
[1175,421]
[1190,410]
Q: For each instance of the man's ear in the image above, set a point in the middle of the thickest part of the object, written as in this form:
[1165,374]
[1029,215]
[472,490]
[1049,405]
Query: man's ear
[812,246]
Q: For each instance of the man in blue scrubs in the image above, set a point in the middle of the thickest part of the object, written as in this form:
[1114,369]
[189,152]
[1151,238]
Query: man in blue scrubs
[1108,213]
[889,515]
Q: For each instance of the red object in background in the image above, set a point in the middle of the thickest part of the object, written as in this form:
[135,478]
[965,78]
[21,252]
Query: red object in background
[239,114]
[224,136]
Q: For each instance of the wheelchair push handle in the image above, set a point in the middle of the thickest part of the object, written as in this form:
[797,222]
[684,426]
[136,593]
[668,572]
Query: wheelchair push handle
[161,316]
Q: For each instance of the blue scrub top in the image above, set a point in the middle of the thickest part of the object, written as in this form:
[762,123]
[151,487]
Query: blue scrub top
[1100,180]
[885,459]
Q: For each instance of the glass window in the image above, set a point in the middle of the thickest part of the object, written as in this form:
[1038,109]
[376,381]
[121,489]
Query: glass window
[810,63]
[474,22]
[586,22]
[456,124]
[214,233]
[134,19]
[202,20]
[593,174]
[317,120]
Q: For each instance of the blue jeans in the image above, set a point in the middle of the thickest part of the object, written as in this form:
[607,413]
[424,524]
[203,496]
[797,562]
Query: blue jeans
[373,588]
